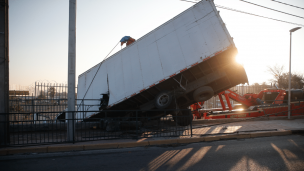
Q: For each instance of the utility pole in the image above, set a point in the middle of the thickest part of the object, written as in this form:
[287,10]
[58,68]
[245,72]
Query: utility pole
[4,74]
[71,70]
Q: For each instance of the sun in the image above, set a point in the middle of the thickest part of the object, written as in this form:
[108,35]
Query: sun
[239,59]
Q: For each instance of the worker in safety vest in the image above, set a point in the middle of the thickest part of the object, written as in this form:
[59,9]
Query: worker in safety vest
[127,39]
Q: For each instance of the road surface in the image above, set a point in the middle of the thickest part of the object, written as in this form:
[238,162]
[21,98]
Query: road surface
[268,153]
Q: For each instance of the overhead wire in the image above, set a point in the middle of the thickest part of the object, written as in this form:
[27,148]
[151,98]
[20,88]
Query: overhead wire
[231,9]
[287,4]
[272,9]
[189,1]
[235,10]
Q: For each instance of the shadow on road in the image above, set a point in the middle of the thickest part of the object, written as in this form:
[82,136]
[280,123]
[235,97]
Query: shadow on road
[273,156]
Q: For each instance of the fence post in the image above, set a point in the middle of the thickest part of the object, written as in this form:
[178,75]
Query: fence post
[33,110]
[190,122]
[73,117]
[136,125]
[176,116]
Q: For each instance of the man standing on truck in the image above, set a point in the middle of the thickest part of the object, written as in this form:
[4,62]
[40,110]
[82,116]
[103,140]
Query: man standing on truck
[127,39]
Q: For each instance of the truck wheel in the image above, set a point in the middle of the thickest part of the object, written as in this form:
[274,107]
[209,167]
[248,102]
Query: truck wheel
[203,93]
[163,100]
[183,120]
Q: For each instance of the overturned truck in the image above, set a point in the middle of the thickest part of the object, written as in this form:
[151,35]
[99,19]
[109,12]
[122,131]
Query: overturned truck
[188,59]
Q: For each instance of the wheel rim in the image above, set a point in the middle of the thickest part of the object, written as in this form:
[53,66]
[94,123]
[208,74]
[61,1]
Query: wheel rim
[163,100]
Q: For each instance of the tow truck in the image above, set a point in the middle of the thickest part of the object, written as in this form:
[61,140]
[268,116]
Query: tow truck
[274,104]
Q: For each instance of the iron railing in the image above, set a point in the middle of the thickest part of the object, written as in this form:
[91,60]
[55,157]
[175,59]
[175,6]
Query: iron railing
[112,125]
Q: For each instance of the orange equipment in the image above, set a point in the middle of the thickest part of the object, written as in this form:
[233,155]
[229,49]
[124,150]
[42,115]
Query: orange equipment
[248,99]
[194,108]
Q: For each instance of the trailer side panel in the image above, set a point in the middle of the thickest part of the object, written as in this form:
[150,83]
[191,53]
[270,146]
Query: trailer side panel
[191,37]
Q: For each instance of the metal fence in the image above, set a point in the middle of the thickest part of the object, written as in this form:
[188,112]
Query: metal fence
[46,110]
[51,90]
[138,124]
[33,108]
[44,104]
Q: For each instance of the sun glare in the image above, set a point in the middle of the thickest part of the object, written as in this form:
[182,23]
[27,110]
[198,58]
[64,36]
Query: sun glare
[239,59]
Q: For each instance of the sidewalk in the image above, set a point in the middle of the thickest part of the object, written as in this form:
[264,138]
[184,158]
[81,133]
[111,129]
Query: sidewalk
[201,132]
[248,126]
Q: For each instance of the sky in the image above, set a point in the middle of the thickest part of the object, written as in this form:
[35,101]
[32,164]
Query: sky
[38,34]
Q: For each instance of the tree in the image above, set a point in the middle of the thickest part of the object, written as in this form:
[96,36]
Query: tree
[52,92]
[255,84]
[281,78]
[259,84]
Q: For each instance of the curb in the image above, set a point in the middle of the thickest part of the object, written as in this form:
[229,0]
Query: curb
[190,140]
[248,119]
[50,149]
[298,131]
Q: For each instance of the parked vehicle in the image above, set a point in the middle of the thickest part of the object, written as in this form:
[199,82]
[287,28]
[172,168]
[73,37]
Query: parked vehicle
[188,59]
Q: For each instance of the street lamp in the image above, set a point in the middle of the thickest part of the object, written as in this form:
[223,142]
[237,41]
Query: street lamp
[289,79]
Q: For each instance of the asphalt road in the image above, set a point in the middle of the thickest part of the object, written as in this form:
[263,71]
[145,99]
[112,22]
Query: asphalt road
[269,153]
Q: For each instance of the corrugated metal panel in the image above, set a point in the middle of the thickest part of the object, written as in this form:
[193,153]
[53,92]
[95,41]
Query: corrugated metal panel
[115,77]
[132,71]
[171,55]
[80,87]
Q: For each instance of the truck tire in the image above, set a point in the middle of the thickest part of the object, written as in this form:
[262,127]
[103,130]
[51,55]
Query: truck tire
[183,120]
[203,94]
[163,100]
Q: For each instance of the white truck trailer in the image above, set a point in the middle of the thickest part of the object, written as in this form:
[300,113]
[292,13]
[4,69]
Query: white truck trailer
[188,59]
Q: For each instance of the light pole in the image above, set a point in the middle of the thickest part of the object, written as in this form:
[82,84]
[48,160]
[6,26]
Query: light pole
[71,70]
[289,79]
